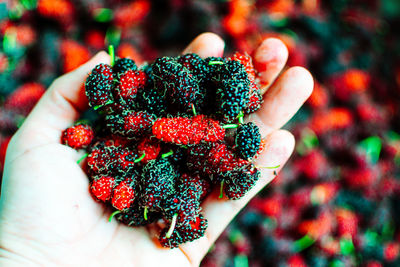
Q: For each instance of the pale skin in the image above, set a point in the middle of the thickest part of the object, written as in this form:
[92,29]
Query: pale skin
[49,218]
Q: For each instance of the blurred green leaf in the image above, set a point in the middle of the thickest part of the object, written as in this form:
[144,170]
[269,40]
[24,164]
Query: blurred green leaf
[303,243]
[29,4]
[390,8]
[309,140]
[113,36]
[241,261]
[346,246]
[371,146]
[103,14]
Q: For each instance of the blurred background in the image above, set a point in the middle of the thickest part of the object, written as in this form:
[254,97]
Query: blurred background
[337,202]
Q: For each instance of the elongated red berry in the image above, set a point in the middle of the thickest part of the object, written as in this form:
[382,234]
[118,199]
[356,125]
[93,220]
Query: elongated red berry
[184,131]
[78,136]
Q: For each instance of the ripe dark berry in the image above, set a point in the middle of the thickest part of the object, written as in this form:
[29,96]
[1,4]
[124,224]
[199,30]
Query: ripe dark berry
[247,140]
[195,64]
[178,84]
[185,207]
[187,233]
[98,86]
[78,136]
[232,97]
[239,181]
[157,183]
[194,185]
[134,216]
[122,65]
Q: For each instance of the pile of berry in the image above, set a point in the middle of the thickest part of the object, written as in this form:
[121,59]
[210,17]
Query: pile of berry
[170,132]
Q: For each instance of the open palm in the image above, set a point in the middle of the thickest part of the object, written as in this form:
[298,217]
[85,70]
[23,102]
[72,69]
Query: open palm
[47,215]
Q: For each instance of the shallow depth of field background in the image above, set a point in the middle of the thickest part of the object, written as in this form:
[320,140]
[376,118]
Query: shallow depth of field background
[337,202]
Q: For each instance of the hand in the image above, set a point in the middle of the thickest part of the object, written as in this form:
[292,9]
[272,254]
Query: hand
[47,215]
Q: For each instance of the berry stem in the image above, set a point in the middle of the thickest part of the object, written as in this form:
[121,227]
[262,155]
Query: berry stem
[169,153]
[273,167]
[145,213]
[172,226]
[215,62]
[112,55]
[105,104]
[221,189]
[194,110]
[82,158]
[140,158]
[113,214]
[229,126]
[240,117]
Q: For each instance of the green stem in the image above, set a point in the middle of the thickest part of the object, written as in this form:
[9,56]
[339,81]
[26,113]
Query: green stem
[240,117]
[273,167]
[105,104]
[140,159]
[82,158]
[229,126]
[145,213]
[113,214]
[215,62]
[112,55]
[221,190]
[194,110]
[172,226]
[167,154]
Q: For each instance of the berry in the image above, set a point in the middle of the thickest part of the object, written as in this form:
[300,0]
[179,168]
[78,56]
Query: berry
[107,158]
[178,85]
[185,206]
[194,183]
[129,84]
[187,233]
[195,64]
[122,65]
[157,184]
[24,98]
[150,148]
[254,92]
[172,241]
[232,97]
[152,102]
[180,130]
[102,186]
[247,62]
[210,159]
[255,99]
[239,181]
[73,55]
[78,136]
[134,216]
[129,123]
[123,194]
[247,140]
[98,86]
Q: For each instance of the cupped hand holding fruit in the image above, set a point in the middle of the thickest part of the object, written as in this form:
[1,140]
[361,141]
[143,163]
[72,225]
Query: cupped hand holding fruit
[47,215]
